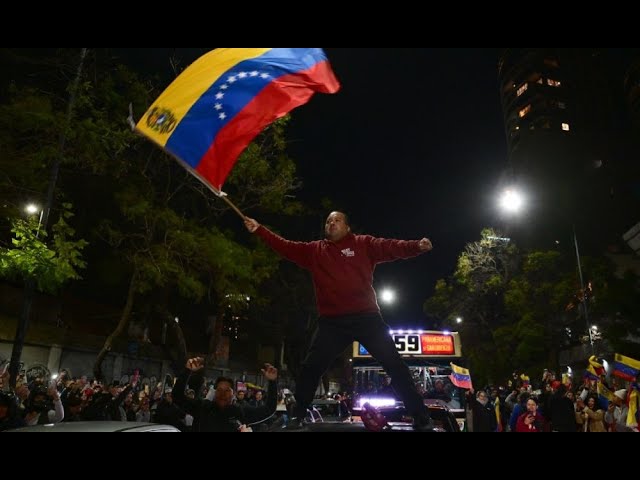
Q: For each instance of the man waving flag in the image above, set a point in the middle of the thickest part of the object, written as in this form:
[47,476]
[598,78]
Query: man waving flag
[220,103]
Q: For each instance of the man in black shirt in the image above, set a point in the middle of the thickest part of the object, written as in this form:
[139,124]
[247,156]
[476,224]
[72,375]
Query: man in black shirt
[221,415]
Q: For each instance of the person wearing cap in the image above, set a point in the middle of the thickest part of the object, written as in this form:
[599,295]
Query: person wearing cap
[617,412]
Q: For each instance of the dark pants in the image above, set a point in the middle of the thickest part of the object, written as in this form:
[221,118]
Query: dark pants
[334,335]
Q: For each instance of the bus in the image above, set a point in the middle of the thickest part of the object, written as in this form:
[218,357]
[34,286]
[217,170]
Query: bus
[429,355]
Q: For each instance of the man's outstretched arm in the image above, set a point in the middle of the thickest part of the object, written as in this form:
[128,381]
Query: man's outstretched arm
[299,253]
[386,250]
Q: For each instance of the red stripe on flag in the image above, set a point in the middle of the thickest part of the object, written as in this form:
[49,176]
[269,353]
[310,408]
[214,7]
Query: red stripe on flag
[275,101]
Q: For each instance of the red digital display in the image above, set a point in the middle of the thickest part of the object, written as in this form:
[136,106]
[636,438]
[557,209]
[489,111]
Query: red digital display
[437,344]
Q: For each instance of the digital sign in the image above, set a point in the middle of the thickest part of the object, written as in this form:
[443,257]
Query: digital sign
[437,344]
[429,344]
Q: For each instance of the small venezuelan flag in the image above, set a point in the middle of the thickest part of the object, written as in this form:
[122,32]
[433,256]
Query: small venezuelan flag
[221,102]
[461,377]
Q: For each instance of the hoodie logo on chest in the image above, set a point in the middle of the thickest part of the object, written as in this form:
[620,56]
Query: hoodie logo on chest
[347,252]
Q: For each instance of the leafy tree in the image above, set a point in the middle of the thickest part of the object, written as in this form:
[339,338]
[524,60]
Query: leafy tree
[30,259]
[521,310]
[151,225]
[170,230]
[615,308]
[475,293]
[536,299]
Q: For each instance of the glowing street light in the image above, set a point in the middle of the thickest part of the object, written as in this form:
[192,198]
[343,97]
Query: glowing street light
[459,320]
[388,296]
[32,209]
[511,201]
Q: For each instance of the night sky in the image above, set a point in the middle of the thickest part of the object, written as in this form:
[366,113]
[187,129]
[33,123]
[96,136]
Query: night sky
[413,145]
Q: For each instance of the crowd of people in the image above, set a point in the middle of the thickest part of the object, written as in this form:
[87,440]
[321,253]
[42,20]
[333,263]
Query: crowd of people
[191,403]
[188,403]
[553,406]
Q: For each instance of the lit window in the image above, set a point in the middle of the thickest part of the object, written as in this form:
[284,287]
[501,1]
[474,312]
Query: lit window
[562,105]
[566,127]
[523,89]
[553,83]
[523,113]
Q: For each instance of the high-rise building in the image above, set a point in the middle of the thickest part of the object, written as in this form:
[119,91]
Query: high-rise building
[567,133]
[535,97]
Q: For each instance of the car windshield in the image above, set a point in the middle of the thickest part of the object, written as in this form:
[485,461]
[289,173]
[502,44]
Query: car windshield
[439,387]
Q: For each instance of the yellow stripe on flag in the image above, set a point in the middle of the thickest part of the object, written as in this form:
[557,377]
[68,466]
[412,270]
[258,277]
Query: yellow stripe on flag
[460,370]
[193,83]
[630,362]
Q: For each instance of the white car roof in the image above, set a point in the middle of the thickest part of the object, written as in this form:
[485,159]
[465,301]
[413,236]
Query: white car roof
[99,427]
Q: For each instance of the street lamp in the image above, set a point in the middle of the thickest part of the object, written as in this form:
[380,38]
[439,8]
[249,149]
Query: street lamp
[32,209]
[511,201]
[459,320]
[388,296]
[583,293]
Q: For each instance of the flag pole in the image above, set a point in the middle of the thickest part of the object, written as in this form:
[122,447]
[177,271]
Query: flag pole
[215,191]
[233,206]
[218,193]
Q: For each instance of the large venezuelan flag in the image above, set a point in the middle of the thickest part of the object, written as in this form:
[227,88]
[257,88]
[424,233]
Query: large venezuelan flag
[461,377]
[218,105]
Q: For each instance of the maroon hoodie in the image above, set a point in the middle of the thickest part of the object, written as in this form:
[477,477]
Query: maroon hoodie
[342,272]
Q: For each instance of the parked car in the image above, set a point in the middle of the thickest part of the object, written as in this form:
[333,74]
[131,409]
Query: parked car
[99,427]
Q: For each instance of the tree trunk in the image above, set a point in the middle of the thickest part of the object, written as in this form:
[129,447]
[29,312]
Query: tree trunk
[182,354]
[120,329]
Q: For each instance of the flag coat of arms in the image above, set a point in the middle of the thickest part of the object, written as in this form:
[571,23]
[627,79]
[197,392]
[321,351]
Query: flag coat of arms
[461,377]
[221,102]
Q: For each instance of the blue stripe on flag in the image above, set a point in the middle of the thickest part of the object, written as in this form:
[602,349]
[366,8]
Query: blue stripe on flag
[197,131]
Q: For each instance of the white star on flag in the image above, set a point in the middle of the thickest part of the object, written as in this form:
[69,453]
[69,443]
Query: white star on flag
[219,107]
